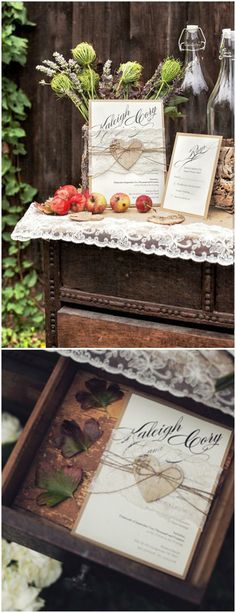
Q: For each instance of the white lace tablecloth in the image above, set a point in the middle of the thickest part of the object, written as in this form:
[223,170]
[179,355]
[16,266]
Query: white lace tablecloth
[198,241]
[191,373]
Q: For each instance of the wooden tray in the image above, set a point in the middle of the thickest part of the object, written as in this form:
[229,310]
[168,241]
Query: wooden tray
[48,530]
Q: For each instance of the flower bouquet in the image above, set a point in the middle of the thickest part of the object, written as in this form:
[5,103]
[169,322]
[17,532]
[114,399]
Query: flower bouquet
[80,80]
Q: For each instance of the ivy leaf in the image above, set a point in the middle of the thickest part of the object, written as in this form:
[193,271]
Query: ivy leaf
[58,485]
[74,440]
[99,394]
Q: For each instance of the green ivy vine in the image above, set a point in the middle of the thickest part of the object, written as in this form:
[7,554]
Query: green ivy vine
[23,316]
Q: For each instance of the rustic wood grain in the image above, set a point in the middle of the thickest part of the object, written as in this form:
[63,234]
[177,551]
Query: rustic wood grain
[77,328]
[36,427]
[120,30]
[48,127]
[135,276]
[51,252]
[171,290]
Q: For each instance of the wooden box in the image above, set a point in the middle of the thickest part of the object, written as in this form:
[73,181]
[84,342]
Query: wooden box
[102,297]
[46,531]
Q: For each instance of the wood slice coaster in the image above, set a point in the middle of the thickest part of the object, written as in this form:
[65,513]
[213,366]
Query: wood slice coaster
[85,216]
[167,219]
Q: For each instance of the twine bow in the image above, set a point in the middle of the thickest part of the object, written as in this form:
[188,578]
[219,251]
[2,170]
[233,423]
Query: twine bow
[144,470]
[126,154]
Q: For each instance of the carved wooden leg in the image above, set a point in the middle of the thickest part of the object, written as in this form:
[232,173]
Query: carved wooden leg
[51,288]
[208,288]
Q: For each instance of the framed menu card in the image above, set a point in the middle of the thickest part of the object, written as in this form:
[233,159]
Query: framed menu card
[191,174]
[155,483]
[127,148]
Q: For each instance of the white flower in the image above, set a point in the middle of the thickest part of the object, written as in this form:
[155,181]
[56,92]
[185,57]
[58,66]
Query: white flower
[17,595]
[11,428]
[24,574]
[6,553]
[37,568]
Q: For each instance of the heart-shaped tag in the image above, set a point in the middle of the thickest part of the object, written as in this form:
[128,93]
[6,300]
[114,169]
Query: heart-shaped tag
[156,480]
[126,153]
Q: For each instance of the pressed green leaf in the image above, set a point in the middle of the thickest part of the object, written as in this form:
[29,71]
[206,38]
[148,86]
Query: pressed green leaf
[99,394]
[75,439]
[58,485]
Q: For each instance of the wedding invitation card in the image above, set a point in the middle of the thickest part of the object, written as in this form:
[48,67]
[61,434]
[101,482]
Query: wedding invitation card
[191,174]
[127,148]
[154,485]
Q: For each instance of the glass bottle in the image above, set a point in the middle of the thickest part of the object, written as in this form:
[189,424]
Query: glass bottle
[196,84]
[220,108]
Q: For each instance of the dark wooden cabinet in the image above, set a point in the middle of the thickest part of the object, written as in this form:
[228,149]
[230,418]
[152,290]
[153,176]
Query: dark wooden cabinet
[103,297]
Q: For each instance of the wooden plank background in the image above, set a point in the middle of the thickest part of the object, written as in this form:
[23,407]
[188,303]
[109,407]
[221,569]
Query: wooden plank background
[142,31]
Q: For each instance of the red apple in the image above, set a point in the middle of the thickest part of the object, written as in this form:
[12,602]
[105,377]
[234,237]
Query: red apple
[77,203]
[120,202]
[59,205]
[143,203]
[66,191]
[96,203]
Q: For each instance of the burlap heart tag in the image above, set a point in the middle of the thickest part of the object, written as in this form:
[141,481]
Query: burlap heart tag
[156,480]
[126,153]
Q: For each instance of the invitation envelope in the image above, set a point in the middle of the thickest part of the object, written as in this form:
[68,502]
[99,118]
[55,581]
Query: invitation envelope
[127,148]
[155,484]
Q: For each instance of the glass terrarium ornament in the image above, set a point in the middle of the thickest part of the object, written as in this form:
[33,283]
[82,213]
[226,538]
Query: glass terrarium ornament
[196,84]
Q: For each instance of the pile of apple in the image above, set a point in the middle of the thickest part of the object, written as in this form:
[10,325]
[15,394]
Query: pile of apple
[70,199]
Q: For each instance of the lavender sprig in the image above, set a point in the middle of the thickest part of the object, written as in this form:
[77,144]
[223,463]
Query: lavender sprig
[105,86]
[152,84]
[59,58]
[48,71]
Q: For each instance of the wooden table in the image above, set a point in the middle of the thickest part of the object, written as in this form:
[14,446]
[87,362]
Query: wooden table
[103,297]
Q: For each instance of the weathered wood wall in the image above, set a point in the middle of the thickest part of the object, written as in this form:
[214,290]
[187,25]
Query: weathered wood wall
[144,31]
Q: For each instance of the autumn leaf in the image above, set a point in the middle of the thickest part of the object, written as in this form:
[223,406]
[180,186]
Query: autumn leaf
[58,485]
[75,440]
[99,394]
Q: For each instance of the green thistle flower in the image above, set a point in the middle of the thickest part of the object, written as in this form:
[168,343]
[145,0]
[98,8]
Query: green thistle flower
[130,72]
[84,54]
[171,68]
[61,84]
[89,80]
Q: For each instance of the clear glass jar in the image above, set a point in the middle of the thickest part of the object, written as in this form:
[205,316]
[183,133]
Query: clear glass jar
[220,109]
[196,84]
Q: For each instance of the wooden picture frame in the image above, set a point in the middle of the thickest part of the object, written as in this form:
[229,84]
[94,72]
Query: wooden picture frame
[203,210]
[33,531]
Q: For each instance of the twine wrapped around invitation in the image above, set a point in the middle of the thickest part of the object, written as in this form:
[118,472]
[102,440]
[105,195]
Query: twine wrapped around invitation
[154,480]
[125,153]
